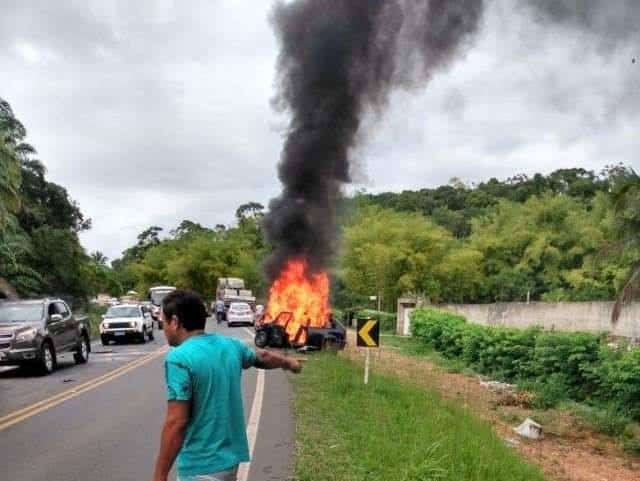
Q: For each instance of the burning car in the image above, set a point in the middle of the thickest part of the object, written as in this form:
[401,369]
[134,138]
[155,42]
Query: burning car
[275,333]
[298,313]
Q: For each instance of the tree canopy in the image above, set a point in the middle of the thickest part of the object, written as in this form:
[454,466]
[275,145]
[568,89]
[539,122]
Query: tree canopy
[570,235]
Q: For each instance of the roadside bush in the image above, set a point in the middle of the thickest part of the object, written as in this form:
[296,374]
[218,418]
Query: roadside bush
[607,419]
[620,380]
[547,392]
[574,355]
[555,365]
[631,439]
[508,354]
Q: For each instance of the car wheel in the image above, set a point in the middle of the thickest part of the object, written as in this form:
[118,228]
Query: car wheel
[81,356]
[277,338]
[47,359]
[105,340]
[262,338]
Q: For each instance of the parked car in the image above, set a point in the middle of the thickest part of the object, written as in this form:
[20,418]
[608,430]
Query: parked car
[126,322]
[35,332]
[240,313]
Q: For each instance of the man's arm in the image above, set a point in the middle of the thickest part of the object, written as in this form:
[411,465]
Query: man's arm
[272,360]
[178,413]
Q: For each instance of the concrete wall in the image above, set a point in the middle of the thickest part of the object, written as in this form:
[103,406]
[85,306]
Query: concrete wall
[561,316]
[406,305]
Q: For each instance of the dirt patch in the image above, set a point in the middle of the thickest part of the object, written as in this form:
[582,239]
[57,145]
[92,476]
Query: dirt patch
[570,451]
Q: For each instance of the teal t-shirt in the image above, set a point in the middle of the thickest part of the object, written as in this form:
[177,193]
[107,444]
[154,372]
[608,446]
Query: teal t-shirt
[207,370]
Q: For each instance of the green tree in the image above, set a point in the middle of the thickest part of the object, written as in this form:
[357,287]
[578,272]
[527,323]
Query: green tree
[388,253]
[531,247]
[194,257]
[187,227]
[15,253]
[45,203]
[60,260]
[99,258]
[12,150]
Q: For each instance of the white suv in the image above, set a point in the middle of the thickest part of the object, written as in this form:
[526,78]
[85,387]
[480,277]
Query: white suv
[126,321]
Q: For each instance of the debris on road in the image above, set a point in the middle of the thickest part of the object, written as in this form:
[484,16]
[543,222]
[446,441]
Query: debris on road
[497,386]
[507,394]
[529,429]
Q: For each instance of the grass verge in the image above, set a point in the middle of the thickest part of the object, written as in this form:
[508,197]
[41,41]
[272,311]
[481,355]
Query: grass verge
[391,431]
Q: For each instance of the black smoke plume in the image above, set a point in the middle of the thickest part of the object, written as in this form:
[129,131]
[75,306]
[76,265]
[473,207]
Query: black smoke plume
[338,60]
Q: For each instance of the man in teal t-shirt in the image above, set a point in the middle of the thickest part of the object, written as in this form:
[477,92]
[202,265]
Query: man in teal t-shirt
[205,427]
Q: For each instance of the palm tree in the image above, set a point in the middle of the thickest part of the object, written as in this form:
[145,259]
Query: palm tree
[13,242]
[626,202]
[99,258]
[13,151]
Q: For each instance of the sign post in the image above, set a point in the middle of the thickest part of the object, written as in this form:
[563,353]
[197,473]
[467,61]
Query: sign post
[368,337]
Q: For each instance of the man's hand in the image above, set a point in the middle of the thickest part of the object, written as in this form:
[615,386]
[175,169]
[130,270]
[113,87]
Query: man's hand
[272,360]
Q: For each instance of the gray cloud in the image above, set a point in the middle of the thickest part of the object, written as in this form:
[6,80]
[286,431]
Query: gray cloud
[612,21]
[150,112]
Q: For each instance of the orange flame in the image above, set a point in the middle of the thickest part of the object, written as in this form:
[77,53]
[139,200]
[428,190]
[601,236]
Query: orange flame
[304,295]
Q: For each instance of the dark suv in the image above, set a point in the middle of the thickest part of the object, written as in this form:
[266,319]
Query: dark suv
[33,333]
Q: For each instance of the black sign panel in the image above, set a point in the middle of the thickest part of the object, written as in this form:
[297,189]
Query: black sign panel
[368,333]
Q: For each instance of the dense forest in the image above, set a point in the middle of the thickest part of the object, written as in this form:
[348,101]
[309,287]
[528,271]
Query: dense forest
[571,235]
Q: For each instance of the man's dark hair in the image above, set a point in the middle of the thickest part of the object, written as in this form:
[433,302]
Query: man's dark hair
[187,306]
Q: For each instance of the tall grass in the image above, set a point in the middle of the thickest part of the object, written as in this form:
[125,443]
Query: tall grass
[391,431]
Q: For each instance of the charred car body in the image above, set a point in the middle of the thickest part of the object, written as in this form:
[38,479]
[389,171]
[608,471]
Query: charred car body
[276,333]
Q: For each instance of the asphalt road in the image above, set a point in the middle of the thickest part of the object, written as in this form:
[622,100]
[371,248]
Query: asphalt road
[102,421]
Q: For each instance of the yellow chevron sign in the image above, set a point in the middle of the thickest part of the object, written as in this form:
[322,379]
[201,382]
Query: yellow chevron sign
[368,333]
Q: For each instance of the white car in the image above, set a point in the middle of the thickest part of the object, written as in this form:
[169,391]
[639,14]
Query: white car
[240,313]
[126,322]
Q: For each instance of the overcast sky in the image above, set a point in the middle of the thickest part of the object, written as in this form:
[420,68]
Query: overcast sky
[150,112]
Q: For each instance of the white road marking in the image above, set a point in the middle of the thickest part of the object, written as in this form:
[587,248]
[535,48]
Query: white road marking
[254,417]
[253,425]
[108,359]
